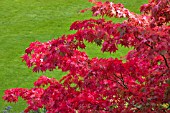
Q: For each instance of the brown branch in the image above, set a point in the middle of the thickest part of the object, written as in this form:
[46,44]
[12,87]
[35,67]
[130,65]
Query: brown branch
[145,42]
[121,79]
[166,62]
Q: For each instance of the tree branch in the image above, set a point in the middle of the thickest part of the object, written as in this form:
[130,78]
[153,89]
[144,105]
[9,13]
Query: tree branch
[166,62]
[121,78]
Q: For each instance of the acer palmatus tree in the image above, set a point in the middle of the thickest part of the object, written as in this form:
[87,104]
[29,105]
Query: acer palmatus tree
[140,84]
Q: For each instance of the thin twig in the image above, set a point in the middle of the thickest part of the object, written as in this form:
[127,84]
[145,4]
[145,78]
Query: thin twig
[123,83]
[166,62]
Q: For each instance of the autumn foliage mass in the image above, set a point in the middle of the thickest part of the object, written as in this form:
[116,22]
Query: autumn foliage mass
[138,82]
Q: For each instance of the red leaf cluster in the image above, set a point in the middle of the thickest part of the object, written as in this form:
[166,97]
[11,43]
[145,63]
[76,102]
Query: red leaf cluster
[140,84]
[159,10]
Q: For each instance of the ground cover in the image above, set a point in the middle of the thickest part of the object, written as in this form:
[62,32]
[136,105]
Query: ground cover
[23,21]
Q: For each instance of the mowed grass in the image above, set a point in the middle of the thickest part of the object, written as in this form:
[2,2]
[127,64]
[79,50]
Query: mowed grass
[25,21]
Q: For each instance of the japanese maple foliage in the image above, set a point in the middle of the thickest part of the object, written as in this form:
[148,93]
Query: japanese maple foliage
[141,84]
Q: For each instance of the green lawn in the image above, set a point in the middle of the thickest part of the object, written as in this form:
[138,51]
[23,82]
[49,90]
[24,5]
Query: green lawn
[25,21]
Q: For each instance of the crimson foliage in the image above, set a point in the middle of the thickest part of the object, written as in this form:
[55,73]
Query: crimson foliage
[141,84]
